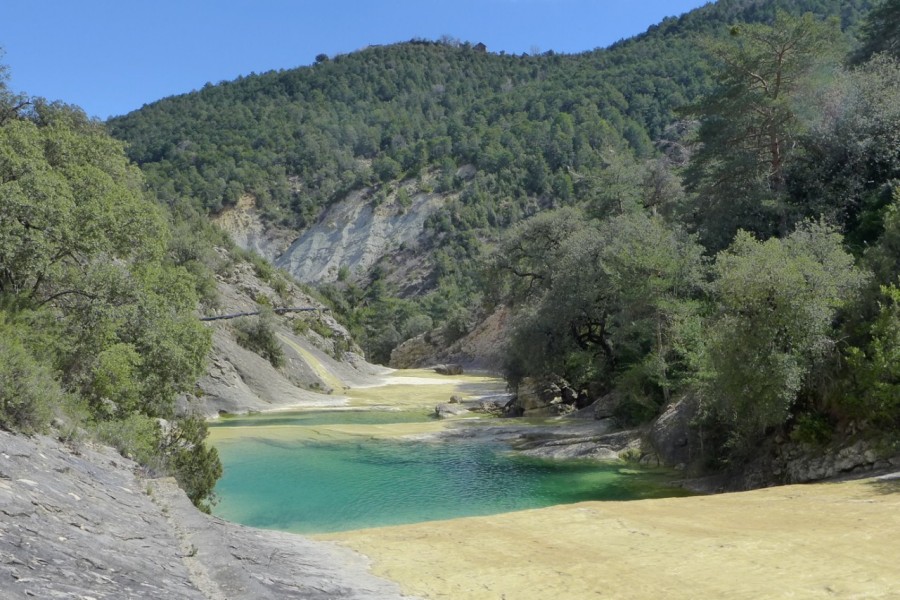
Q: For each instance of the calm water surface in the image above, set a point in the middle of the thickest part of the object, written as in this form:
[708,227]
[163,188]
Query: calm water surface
[323,486]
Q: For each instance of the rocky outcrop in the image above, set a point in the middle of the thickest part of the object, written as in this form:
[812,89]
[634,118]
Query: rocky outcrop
[245,227]
[447,410]
[319,364]
[481,348]
[354,234]
[672,436]
[537,398]
[83,523]
[594,440]
[799,463]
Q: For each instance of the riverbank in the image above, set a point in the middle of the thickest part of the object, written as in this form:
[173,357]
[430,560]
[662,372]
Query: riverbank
[825,540]
[80,521]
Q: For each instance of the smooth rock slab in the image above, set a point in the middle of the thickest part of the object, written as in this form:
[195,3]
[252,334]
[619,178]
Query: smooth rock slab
[83,524]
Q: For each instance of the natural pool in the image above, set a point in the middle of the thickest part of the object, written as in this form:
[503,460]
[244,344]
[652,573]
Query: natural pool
[282,471]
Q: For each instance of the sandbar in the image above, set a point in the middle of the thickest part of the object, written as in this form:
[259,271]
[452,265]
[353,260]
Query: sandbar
[825,540]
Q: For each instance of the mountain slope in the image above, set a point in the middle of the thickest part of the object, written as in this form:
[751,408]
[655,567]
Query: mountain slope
[490,138]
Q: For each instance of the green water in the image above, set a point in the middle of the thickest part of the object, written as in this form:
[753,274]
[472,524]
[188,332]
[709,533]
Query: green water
[314,487]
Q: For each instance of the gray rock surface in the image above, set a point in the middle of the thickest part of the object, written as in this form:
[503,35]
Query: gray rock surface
[84,525]
[581,444]
[446,410]
[355,234]
[672,436]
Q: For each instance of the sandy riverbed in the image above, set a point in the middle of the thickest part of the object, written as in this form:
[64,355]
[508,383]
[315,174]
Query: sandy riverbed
[828,540]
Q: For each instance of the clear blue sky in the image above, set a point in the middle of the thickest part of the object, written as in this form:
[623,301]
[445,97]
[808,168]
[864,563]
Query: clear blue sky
[113,56]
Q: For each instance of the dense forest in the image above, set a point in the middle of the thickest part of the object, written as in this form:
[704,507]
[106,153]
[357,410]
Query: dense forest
[540,132]
[706,210]
[708,213]
[760,282]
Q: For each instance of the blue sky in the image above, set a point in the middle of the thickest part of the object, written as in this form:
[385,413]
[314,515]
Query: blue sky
[113,56]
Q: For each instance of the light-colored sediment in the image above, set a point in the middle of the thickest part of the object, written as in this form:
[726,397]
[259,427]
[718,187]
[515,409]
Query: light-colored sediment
[404,390]
[422,388]
[827,540]
[335,432]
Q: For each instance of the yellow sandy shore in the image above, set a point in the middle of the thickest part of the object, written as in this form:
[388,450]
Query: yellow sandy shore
[420,387]
[831,540]
[412,389]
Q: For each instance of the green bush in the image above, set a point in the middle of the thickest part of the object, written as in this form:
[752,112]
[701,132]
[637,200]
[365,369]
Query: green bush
[137,437]
[28,391]
[258,335]
[195,465]
[813,429]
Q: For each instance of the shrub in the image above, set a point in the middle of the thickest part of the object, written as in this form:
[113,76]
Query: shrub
[813,429]
[258,335]
[28,391]
[195,465]
[137,437]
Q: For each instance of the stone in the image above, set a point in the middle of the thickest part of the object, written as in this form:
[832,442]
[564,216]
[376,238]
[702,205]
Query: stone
[583,400]
[488,407]
[454,399]
[450,369]
[606,406]
[528,395]
[671,433]
[443,411]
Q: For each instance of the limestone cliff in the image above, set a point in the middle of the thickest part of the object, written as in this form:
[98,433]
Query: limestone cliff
[244,224]
[356,234]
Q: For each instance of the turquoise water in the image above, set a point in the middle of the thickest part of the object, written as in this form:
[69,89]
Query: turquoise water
[314,487]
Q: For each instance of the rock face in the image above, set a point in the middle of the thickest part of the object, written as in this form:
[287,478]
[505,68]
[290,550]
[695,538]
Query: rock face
[318,364]
[355,234]
[444,411]
[481,348]
[84,525]
[672,436]
[243,224]
[536,398]
[800,464]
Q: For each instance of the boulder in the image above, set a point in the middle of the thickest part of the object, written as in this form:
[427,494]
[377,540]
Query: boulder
[454,399]
[605,407]
[528,395]
[539,398]
[671,433]
[489,407]
[450,369]
[443,411]
[583,400]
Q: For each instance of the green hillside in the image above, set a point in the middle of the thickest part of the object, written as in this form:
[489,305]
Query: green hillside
[541,132]
[705,214]
[298,139]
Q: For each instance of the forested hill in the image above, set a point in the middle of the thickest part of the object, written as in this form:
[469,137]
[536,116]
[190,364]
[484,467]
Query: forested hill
[705,218]
[301,138]
[499,137]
